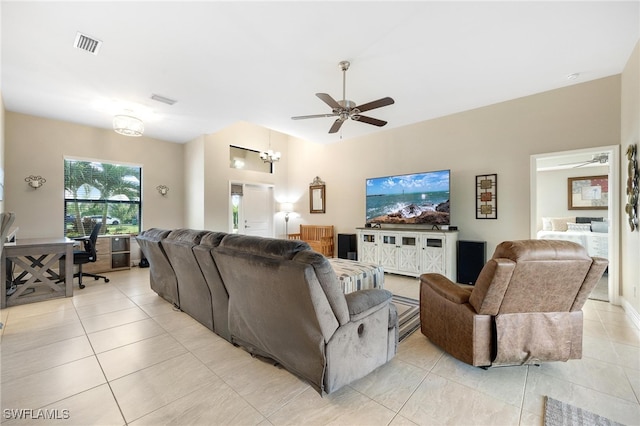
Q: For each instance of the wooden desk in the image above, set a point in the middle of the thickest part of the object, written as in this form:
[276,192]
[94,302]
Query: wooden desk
[29,264]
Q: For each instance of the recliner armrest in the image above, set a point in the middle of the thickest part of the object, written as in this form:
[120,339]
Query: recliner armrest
[363,302]
[446,288]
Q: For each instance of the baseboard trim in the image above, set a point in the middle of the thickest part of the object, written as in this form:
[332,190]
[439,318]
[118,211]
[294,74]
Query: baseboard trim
[633,315]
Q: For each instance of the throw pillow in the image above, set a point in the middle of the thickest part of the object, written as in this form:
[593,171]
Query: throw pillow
[602,227]
[579,227]
[560,223]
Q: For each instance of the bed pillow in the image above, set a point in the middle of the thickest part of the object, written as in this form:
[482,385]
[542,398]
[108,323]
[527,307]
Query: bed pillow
[546,224]
[560,223]
[602,227]
[583,227]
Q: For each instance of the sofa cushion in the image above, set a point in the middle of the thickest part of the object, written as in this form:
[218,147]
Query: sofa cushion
[273,247]
[328,281]
[362,303]
[219,294]
[193,290]
[162,278]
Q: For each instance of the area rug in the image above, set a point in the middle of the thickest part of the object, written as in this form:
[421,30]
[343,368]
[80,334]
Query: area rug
[557,413]
[408,315]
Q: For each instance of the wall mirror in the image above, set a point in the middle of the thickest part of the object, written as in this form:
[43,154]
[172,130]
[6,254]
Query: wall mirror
[317,196]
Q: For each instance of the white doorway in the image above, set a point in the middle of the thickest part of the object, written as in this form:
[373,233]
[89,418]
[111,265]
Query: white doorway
[579,162]
[252,209]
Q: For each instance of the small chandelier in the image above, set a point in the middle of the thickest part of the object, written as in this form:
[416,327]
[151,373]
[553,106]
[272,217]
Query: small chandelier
[270,156]
[128,126]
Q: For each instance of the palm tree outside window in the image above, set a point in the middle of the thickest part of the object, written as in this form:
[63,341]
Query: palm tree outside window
[101,192]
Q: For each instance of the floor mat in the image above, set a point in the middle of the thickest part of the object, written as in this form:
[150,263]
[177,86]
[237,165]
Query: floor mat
[558,413]
[408,315]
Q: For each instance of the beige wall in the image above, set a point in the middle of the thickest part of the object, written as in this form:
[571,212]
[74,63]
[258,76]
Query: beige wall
[495,139]
[630,134]
[38,146]
[213,157]
[194,173]
[554,201]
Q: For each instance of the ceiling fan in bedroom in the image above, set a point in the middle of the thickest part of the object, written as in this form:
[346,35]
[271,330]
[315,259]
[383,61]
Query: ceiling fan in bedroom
[346,109]
[602,158]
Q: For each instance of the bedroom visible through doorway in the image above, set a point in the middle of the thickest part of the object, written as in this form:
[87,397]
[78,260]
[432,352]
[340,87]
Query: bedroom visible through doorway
[554,216]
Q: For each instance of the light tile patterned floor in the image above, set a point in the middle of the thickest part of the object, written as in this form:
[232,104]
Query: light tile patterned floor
[117,354]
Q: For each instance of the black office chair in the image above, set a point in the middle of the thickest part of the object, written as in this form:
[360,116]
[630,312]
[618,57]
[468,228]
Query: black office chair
[88,255]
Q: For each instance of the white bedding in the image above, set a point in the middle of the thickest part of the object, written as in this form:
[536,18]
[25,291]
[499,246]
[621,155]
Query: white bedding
[596,243]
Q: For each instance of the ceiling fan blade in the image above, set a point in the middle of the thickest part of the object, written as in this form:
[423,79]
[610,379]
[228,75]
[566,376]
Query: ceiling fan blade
[583,164]
[327,99]
[302,117]
[336,126]
[369,120]
[375,104]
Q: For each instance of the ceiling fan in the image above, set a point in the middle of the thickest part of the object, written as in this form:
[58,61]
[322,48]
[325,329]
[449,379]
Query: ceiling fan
[595,158]
[346,109]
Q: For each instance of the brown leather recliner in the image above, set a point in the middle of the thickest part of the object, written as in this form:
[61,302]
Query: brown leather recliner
[525,308]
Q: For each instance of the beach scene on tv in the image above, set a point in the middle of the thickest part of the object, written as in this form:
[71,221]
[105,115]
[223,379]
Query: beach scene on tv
[419,199]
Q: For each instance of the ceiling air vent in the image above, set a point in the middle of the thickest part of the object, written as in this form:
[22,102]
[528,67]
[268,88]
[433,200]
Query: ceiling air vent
[84,42]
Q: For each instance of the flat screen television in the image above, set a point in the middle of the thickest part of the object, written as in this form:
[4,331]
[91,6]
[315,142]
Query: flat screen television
[412,199]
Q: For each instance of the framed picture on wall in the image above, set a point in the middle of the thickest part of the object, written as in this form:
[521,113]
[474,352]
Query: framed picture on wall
[588,193]
[487,196]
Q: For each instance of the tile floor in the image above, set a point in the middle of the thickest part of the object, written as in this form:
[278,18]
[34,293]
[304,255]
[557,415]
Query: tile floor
[117,354]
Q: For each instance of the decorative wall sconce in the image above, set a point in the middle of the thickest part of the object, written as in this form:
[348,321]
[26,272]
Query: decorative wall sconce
[162,189]
[35,181]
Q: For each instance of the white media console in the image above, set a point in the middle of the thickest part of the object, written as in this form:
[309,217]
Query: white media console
[409,251]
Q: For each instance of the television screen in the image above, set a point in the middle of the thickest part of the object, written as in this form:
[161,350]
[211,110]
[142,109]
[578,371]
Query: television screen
[416,199]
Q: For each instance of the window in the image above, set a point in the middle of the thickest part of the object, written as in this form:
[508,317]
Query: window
[104,193]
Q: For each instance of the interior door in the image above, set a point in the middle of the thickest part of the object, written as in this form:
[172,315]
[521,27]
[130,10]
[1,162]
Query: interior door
[257,210]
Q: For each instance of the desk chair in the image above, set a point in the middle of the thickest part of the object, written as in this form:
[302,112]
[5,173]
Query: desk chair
[89,254]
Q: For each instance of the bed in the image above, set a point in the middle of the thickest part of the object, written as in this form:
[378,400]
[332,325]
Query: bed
[591,233]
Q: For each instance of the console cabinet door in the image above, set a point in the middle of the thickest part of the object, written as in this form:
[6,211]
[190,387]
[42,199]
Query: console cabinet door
[433,255]
[389,252]
[409,254]
[368,247]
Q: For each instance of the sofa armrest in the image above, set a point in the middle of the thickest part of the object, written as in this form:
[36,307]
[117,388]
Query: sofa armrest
[362,303]
[446,288]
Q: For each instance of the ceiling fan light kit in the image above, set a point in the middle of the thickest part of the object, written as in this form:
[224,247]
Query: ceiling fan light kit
[347,109]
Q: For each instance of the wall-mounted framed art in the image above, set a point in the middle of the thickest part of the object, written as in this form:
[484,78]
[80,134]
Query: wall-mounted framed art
[588,193]
[487,196]
[633,191]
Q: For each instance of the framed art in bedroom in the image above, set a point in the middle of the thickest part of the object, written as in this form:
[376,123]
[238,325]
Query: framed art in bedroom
[588,193]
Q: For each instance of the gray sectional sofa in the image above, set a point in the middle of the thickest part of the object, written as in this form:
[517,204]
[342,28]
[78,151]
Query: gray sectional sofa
[275,298]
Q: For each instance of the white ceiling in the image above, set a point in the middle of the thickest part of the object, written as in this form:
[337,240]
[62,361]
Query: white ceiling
[262,62]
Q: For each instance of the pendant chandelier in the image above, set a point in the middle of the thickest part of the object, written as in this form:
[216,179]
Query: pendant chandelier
[128,126]
[270,156]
